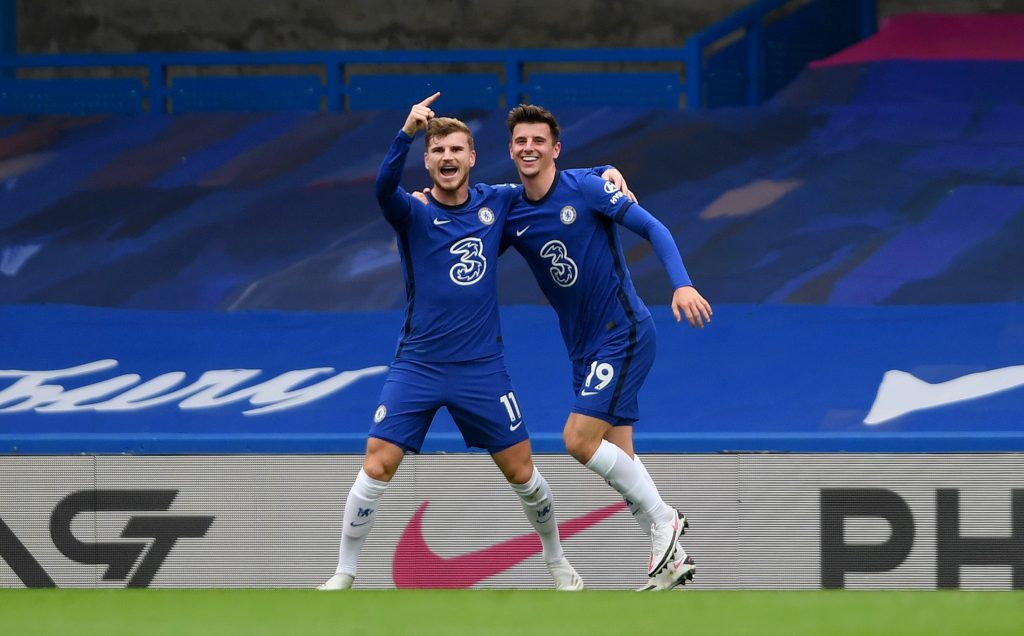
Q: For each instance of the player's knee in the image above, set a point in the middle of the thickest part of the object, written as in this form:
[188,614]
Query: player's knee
[382,459]
[378,470]
[518,474]
[579,446]
[379,466]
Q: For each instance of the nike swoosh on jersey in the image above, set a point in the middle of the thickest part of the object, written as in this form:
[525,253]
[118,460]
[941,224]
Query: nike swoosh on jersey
[522,230]
[416,565]
[440,222]
[585,392]
[513,427]
[901,392]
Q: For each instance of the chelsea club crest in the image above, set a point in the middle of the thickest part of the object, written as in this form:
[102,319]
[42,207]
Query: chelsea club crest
[486,216]
[568,215]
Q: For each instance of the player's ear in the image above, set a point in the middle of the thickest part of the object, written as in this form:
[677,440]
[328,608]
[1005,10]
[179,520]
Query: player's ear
[557,150]
[426,162]
[472,158]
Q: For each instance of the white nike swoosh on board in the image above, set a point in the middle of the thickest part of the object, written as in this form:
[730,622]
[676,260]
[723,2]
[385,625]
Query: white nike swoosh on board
[522,230]
[901,392]
[440,222]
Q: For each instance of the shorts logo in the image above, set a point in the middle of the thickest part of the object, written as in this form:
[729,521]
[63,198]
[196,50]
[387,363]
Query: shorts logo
[472,262]
[567,215]
[380,414]
[601,375]
[486,216]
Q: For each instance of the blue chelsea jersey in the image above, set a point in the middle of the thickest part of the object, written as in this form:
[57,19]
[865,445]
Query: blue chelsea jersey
[449,256]
[570,240]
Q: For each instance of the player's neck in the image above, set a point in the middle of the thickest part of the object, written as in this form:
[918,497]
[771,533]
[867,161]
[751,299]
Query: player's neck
[450,197]
[538,185]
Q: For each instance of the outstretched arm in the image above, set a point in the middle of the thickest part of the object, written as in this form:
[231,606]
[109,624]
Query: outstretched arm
[686,300]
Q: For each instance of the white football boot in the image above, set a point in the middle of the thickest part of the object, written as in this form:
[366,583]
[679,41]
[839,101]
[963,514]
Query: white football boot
[664,537]
[337,582]
[565,576]
[673,575]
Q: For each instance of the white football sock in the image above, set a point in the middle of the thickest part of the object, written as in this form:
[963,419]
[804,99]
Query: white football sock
[631,481]
[535,495]
[642,520]
[360,513]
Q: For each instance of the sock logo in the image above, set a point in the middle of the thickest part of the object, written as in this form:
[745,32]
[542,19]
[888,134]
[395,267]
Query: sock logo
[364,514]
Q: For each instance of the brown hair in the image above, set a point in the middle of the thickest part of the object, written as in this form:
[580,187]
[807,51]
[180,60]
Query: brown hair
[531,114]
[443,126]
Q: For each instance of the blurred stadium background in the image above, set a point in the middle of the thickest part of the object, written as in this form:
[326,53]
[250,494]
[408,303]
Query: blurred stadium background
[198,296]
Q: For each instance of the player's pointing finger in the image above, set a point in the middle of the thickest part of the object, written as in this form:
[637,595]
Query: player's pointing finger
[430,100]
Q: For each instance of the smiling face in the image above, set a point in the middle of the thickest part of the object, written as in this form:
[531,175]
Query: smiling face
[448,159]
[533,146]
[533,149]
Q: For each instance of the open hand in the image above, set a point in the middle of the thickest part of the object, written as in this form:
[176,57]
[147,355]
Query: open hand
[688,301]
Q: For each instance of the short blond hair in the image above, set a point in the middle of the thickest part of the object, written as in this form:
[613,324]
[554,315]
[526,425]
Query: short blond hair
[443,126]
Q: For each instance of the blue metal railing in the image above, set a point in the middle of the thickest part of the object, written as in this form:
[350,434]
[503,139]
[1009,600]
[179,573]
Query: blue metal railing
[765,45]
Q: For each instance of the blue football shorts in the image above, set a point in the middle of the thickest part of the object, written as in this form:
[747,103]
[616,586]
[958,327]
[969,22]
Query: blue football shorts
[607,383]
[478,394]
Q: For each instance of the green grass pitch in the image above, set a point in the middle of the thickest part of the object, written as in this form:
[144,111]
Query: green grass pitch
[512,613]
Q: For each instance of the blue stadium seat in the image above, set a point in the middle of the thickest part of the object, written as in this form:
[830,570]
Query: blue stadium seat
[246,94]
[646,89]
[71,96]
[471,90]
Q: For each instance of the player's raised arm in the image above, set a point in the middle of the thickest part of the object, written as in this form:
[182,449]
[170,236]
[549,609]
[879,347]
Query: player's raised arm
[393,200]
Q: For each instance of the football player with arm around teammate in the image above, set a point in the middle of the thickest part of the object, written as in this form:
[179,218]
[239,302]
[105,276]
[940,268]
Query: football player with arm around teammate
[449,353]
[565,228]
